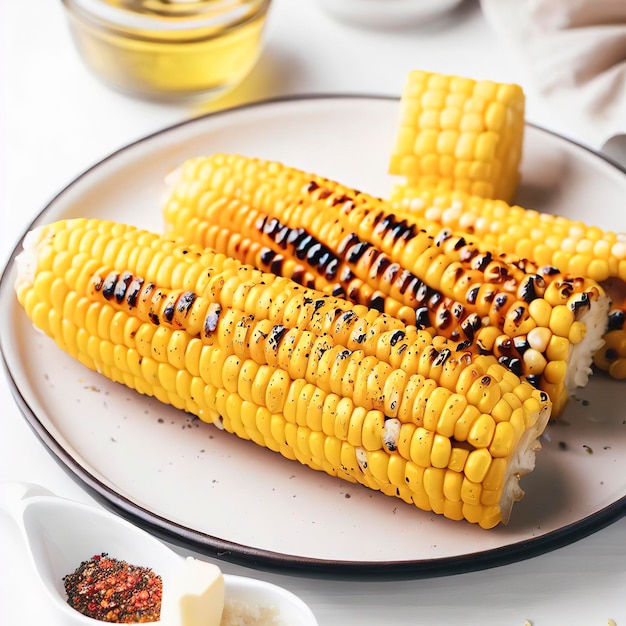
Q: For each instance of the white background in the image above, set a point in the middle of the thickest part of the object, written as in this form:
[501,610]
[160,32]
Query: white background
[57,120]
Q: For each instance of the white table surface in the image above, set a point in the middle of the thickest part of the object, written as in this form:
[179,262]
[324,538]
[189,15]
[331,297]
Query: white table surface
[56,120]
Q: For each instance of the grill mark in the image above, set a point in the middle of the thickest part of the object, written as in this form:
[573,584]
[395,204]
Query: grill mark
[133,291]
[527,289]
[108,285]
[617,319]
[422,318]
[442,357]
[581,302]
[397,335]
[275,335]
[185,302]
[212,318]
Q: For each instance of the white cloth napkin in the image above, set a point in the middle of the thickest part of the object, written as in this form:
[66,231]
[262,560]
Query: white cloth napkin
[575,55]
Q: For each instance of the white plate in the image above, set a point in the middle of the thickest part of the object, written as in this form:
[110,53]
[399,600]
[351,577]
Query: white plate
[196,485]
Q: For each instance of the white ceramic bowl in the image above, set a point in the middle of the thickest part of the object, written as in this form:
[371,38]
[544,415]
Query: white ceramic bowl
[59,534]
[387,14]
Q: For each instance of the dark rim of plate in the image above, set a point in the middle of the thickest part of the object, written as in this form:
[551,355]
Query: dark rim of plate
[274,561]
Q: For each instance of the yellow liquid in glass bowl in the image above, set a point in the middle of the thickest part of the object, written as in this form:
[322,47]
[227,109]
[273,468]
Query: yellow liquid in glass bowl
[171,64]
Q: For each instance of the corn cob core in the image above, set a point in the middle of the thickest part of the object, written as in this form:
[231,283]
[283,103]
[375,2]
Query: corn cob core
[186,326]
[460,133]
[528,321]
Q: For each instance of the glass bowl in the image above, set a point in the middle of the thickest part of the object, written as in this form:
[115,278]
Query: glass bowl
[168,49]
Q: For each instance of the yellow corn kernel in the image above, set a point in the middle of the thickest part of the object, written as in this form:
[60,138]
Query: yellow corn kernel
[452,485]
[434,407]
[482,431]
[477,465]
[403,441]
[470,491]
[561,320]
[577,332]
[452,411]
[421,446]
[466,422]
[433,483]
[440,451]
[458,457]
[504,440]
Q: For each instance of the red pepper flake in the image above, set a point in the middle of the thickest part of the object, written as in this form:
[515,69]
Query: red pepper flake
[110,590]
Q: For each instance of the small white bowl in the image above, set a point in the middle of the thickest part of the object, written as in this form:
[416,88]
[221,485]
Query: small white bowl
[387,14]
[59,534]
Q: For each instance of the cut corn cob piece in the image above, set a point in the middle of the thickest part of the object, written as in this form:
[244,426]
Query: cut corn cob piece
[166,319]
[465,293]
[460,133]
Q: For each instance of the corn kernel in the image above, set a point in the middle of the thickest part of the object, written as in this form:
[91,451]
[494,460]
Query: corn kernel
[482,431]
[561,320]
[421,445]
[470,491]
[441,451]
[504,440]
[477,465]
[458,457]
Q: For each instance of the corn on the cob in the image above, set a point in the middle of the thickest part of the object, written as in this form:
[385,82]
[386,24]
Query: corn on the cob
[460,133]
[548,240]
[544,239]
[532,323]
[228,343]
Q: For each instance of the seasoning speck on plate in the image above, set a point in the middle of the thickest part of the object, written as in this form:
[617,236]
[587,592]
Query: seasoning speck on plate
[111,590]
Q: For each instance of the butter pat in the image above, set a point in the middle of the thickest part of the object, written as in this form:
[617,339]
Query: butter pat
[195,597]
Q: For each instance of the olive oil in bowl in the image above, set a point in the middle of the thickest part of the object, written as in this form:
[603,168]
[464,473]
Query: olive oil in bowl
[168,49]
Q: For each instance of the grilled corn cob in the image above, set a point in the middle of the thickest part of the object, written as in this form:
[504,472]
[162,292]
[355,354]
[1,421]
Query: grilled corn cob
[232,345]
[547,240]
[460,133]
[533,323]
[544,239]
